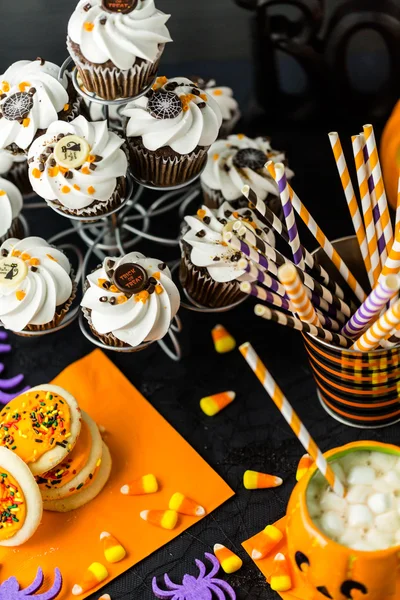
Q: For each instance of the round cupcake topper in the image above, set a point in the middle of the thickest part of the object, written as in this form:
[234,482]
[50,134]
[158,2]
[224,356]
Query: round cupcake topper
[13,271]
[130,278]
[71,151]
[250,158]
[17,106]
[164,105]
[119,6]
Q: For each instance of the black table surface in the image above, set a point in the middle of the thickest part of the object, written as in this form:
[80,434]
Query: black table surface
[249,434]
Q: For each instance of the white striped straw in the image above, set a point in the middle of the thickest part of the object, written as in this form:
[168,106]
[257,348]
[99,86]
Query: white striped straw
[297,295]
[266,295]
[290,219]
[291,417]
[379,330]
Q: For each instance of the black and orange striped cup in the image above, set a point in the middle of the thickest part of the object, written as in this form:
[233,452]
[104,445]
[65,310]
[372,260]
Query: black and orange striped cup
[356,388]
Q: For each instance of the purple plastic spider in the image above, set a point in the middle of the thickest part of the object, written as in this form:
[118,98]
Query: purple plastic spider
[8,384]
[9,590]
[204,587]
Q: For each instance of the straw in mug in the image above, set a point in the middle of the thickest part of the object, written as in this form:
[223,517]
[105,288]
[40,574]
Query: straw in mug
[379,330]
[286,409]
[322,240]
[372,307]
[286,320]
[288,212]
[297,295]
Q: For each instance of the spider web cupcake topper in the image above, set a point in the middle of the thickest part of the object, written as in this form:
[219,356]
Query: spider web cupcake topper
[164,105]
[250,158]
[17,106]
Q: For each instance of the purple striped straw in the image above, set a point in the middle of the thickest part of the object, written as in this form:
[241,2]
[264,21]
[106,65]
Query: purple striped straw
[372,307]
[263,294]
[294,239]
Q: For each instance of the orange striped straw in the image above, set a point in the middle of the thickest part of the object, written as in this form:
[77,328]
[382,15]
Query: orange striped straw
[366,205]
[276,394]
[377,189]
[392,264]
[295,290]
[379,330]
[322,239]
[350,197]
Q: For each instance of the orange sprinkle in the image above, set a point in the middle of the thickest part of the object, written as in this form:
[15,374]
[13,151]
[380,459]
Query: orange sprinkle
[142,297]
[217,92]
[26,122]
[2,193]
[15,253]
[122,299]
[101,281]
[204,97]
[65,189]
[114,289]
[85,170]
[23,85]
[235,214]
[88,26]
[91,190]
[20,295]
[216,156]
[201,213]
[51,257]
[53,171]
[159,289]
[160,81]
[185,107]
[63,169]
[223,243]
[36,173]
[6,86]
[34,262]
[156,275]
[91,158]
[66,107]
[76,187]
[25,256]
[240,136]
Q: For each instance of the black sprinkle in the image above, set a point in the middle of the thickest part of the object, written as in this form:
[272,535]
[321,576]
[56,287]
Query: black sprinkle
[151,288]
[103,299]
[113,300]
[68,175]
[202,105]
[103,21]
[201,233]
[34,269]
[92,167]
[171,86]
[216,258]
[207,220]
[60,136]
[162,266]
[227,213]
[195,91]
[4,252]
[153,281]
[41,167]
[106,285]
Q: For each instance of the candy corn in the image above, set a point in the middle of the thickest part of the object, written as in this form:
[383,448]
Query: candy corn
[147,484]
[113,550]
[229,561]
[166,519]
[252,480]
[265,541]
[95,574]
[105,597]
[280,579]
[223,341]
[305,463]
[186,506]
[212,405]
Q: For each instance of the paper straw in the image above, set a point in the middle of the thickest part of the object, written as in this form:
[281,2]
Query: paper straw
[375,175]
[379,330]
[274,222]
[350,197]
[373,306]
[293,323]
[297,295]
[276,394]
[392,264]
[323,240]
[366,205]
[288,212]
[262,294]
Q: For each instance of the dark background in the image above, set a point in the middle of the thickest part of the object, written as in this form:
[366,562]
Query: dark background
[212,38]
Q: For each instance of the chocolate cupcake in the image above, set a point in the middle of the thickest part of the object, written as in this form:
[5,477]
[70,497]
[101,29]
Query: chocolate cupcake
[130,301]
[10,208]
[170,130]
[236,162]
[15,169]
[117,45]
[36,285]
[32,97]
[209,270]
[225,100]
[79,167]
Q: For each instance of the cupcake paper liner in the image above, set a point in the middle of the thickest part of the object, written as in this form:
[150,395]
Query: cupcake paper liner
[165,171]
[228,125]
[112,83]
[19,176]
[204,290]
[16,231]
[97,208]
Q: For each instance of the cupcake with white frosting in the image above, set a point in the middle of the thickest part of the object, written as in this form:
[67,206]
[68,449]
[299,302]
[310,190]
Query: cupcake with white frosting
[15,169]
[225,100]
[79,167]
[36,288]
[130,301]
[239,161]
[170,130]
[117,45]
[10,207]
[31,98]
[209,269]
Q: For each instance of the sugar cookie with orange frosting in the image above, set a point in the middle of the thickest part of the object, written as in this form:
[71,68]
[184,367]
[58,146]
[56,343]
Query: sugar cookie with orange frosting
[41,426]
[87,493]
[21,505]
[79,467]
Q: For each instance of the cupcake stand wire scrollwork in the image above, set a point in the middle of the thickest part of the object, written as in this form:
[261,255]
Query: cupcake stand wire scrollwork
[119,230]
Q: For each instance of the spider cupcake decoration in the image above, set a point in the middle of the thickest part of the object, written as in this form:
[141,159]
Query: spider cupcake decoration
[8,384]
[203,587]
[10,589]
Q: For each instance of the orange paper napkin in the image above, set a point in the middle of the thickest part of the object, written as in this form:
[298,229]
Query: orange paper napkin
[141,442]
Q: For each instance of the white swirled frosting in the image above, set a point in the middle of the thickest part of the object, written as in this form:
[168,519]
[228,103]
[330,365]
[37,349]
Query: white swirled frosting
[239,161]
[10,204]
[7,161]
[33,98]
[224,98]
[208,249]
[43,282]
[132,318]
[174,116]
[120,38]
[94,180]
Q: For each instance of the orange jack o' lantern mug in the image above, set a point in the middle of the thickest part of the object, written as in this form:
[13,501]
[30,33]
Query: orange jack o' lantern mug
[339,571]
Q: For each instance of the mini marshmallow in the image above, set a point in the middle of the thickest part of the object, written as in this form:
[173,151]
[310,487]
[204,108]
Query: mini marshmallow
[378,539]
[388,522]
[392,478]
[332,524]
[361,475]
[397,536]
[358,494]
[397,465]
[382,462]
[382,486]
[339,472]
[359,515]
[354,459]
[380,503]
[350,536]
[314,509]
[332,502]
